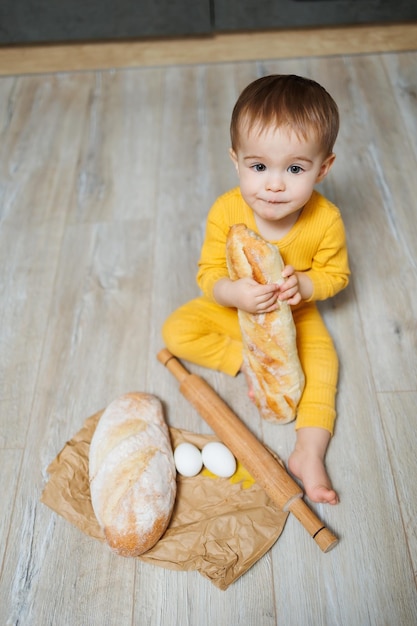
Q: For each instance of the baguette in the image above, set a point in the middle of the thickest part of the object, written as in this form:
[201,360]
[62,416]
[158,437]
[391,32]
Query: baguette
[270,356]
[132,473]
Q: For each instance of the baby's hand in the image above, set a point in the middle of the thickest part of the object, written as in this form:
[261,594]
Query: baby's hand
[253,298]
[290,288]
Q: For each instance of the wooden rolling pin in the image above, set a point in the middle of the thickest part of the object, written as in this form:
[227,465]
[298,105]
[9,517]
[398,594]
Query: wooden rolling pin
[253,455]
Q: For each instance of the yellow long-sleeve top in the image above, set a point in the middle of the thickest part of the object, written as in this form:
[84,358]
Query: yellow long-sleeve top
[316,244]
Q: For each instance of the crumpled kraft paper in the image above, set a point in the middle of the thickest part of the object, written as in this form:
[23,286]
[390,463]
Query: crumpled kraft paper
[219,527]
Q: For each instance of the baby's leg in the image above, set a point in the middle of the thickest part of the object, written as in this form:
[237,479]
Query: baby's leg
[316,411]
[205,333]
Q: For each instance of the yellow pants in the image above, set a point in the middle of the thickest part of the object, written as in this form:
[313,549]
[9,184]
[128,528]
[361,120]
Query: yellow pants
[208,334]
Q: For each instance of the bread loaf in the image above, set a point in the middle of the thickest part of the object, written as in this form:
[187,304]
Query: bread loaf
[132,473]
[269,339]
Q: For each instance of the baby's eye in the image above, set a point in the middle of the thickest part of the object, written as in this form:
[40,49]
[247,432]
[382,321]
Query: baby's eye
[259,167]
[295,169]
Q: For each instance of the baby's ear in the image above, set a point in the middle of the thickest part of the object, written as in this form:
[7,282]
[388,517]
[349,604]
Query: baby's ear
[325,167]
[233,156]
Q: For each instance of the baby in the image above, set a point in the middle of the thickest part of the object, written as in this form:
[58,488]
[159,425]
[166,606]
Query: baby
[283,130]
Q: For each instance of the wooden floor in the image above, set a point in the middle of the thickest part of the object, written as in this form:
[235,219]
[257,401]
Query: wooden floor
[106,179]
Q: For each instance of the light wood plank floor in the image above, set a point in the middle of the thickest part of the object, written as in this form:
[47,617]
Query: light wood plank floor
[106,178]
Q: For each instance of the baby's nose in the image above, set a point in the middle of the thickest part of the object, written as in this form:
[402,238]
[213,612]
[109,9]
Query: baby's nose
[275,183]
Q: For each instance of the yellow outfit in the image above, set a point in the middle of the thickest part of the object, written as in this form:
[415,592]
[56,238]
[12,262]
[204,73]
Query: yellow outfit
[206,333]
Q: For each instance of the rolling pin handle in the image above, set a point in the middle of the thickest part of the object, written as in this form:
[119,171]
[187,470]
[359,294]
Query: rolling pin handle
[323,537]
[172,364]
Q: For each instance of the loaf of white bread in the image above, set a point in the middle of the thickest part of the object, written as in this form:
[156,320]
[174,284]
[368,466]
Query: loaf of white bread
[270,356]
[132,473]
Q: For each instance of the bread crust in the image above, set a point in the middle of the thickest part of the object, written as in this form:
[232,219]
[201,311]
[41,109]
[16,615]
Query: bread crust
[270,356]
[132,473]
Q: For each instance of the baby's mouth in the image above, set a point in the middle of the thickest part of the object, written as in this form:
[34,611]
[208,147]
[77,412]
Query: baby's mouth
[274,201]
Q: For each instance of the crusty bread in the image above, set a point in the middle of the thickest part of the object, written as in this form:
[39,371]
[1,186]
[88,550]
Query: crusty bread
[132,473]
[269,339]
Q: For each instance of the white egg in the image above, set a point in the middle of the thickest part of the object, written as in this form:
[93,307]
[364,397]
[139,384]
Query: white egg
[218,459]
[188,459]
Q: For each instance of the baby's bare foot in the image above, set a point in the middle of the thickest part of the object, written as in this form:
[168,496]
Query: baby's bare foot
[310,469]
[307,464]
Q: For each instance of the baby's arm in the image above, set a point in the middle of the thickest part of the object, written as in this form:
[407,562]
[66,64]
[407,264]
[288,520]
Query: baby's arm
[246,294]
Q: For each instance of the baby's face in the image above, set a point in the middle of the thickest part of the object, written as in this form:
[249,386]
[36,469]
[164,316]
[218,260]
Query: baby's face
[278,170]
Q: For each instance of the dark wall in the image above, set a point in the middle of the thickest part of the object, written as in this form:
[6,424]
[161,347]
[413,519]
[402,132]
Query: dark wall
[40,21]
[264,14]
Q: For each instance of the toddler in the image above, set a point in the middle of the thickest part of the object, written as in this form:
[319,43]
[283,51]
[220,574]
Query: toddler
[283,130]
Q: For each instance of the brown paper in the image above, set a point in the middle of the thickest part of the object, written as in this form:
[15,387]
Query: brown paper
[219,527]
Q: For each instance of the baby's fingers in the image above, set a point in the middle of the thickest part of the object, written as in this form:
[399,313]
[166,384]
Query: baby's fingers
[268,301]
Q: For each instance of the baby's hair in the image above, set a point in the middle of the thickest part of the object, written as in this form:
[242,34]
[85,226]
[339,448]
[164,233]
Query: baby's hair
[282,100]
